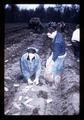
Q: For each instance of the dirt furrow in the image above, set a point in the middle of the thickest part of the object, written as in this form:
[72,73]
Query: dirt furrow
[21,99]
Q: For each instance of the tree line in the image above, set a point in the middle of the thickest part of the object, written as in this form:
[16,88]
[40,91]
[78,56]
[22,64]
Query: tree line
[59,13]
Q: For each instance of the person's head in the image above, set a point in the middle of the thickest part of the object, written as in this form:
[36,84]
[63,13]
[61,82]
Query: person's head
[77,26]
[31,53]
[51,29]
[55,28]
[59,26]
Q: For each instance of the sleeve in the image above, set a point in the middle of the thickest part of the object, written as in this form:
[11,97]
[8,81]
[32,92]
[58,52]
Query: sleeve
[24,68]
[75,36]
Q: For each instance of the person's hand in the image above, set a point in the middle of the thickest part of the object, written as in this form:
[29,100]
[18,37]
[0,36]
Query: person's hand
[49,35]
[36,81]
[29,81]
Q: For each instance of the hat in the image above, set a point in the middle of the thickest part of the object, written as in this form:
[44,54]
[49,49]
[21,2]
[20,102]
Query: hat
[32,50]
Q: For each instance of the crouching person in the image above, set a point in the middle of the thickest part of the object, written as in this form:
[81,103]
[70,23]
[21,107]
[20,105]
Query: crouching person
[54,64]
[31,65]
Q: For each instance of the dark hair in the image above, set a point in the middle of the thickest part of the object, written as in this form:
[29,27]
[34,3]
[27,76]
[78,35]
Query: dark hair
[31,50]
[77,26]
[59,26]
[51,29]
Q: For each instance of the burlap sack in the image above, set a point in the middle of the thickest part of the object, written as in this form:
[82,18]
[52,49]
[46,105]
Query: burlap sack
[48,75]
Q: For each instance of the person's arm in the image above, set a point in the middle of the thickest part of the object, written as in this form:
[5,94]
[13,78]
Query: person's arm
[24,69]
[75,36]
[38,71]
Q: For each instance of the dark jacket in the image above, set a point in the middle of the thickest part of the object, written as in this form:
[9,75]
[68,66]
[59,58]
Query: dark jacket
[58,46]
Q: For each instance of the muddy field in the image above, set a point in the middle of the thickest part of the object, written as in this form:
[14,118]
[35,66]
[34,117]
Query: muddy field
[43,99]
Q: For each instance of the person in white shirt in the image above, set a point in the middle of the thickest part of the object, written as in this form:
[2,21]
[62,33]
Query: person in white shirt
[76,42]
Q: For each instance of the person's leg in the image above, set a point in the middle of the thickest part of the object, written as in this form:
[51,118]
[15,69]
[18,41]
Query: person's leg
[74,49]
[78,50]
[56,75]
[59,67]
